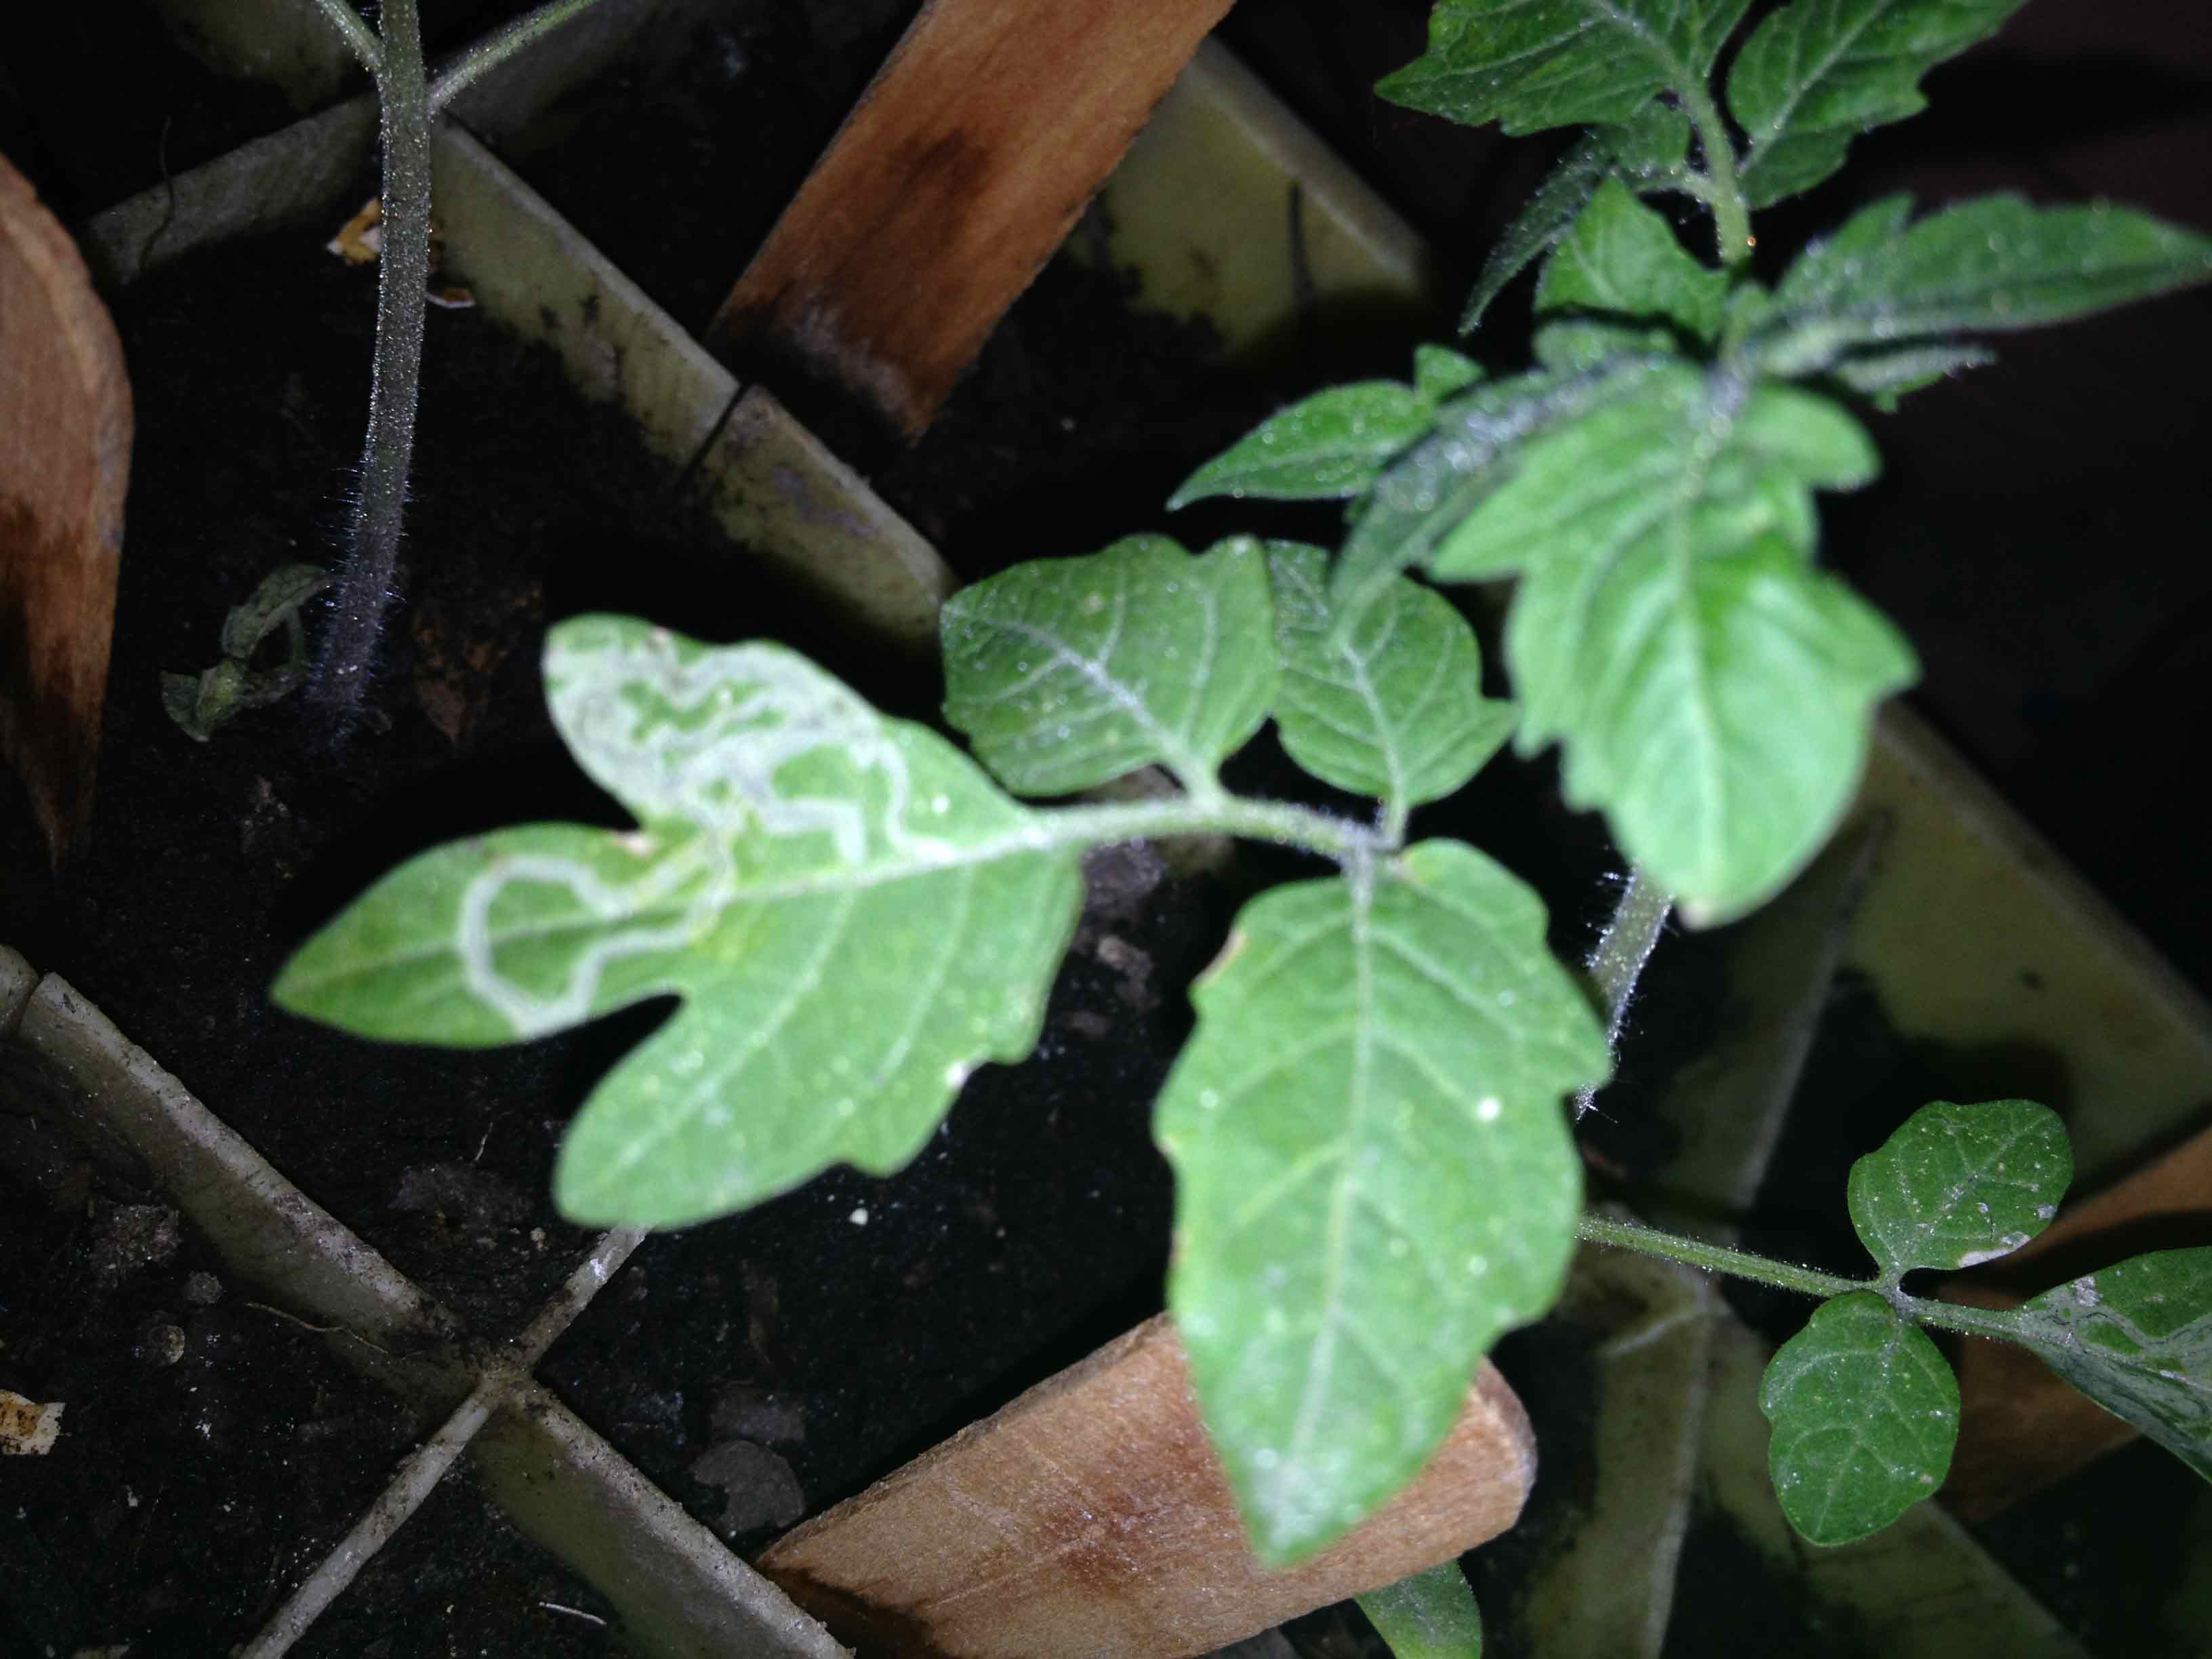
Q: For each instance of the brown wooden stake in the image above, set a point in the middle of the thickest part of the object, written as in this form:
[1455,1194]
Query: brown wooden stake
[964,164]
[64,460]
[2019,1427]
[1091,1517]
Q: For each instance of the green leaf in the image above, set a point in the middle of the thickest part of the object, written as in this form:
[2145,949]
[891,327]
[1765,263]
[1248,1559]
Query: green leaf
[1712,690]
[1537,228]
[1647,149]
[1541,64]
[1576,348]
[1334,443]
[1430,1615]
[1992,265]
[1817,74]
[274,604]
[202,703]
[1957,1186]
[1068,673]
[1393,709]
[1428,491]
[1651,145]
[1331,445]
[1884,378]
[2138,1339]
[852,916]
[1440,373]
[1865,1414]
[1621,259]
[1750,303]
[1373,1174]
[1733,704]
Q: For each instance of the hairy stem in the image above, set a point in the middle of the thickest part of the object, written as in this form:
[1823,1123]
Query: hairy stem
[1214,813]
[498,46]
[1716,1258]
[1618,962]
[1997,1325]
[358,35]
[1731,215]
[368,578]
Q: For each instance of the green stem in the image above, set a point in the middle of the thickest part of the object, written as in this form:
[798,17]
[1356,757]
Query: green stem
[1215,813]
[358,35]
[1622,950]
[1996,1325]
[1687,181]
[1731,215]
[497,47]
[368,578]
[1716,1258]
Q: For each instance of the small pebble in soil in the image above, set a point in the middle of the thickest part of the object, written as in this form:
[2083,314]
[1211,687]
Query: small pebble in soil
[759,1490]
[160,1344]
[1133,970]
[1118,880]
[743,1411]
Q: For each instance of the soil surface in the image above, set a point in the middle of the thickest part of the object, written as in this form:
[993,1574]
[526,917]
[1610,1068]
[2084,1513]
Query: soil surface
[103,99]
[211,1451]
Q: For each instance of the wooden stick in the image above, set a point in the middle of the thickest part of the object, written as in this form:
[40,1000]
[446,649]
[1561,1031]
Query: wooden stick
[965,164]
[2019,1427]
[1091,1516]
[65,463]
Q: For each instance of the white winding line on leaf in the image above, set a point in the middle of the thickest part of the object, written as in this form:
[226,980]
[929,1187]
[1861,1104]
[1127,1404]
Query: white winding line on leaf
[769,712]
[766,715]
[532,1015]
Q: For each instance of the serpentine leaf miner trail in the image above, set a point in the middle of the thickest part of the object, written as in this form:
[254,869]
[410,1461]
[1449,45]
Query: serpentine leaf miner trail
[854,916]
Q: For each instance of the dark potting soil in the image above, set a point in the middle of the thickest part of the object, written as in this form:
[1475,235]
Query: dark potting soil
[100,99]
[211,1448]
[459,1580]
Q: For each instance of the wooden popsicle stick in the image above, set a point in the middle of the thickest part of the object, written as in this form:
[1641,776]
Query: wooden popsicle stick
[2019,1426]
[964,164]
[64,462]
[1091,1517]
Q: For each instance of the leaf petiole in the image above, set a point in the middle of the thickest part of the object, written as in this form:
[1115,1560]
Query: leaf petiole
[1714,1258]
[1723,193]
[1999,1325]
[1623,949]
[1215,813]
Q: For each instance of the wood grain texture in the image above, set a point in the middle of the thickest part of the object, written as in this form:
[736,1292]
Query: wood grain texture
[964,164]
[64,461]
[2020,1427]
[1091,1517]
